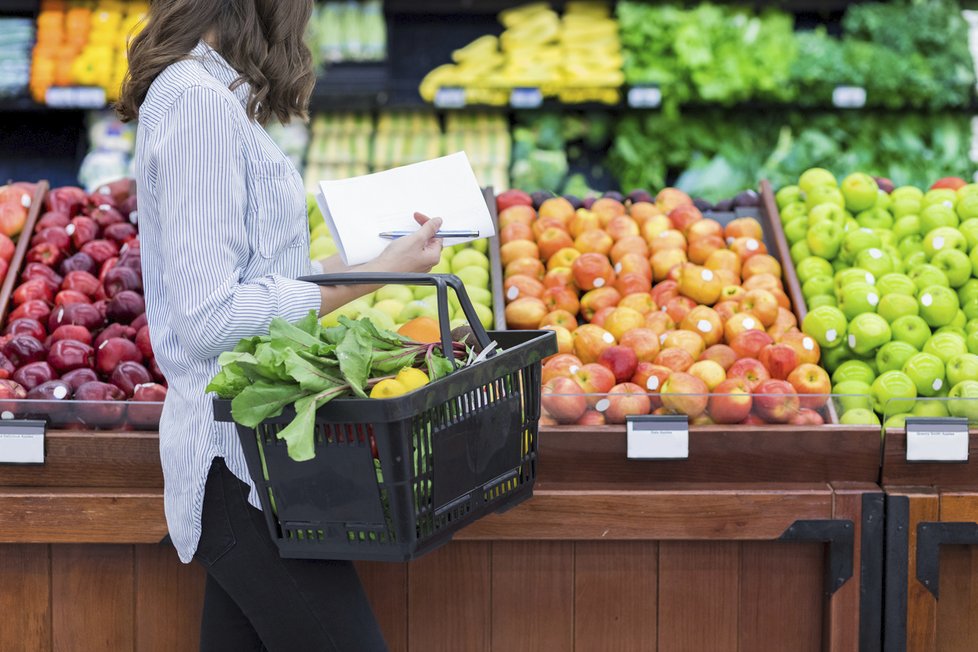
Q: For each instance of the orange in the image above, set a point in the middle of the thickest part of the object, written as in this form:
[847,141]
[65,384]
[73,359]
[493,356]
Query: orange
[421,329]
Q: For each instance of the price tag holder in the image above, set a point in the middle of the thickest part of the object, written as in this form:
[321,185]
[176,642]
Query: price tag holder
[943,439]
[654,437]
[849,97]
[75,97]
[450,97]
[525,98]
[22,441]
[644,97]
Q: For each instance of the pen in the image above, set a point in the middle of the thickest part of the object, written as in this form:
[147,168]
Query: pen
[393,235]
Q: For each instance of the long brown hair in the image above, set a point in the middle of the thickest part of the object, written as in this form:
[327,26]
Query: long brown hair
[261,39]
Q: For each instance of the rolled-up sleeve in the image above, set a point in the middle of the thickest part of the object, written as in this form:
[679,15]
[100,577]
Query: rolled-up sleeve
[201,178]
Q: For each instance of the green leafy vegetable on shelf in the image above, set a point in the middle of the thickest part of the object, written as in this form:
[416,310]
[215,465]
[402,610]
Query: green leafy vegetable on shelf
[306,366]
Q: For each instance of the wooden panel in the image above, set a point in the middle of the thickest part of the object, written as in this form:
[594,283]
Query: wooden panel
[921,605]
[781,588]
[532,596]
[699,592]
[774,454]
[92,598]
[714,513]
[959,507]
[386,586]
[897,471]
[449,599]
[93,459]
[169,600]
[843,608]
[957,610]
[615,595]
[25,598]
[82,516]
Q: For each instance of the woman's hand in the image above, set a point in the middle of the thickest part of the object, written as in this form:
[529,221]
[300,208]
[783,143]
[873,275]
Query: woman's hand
[418,252]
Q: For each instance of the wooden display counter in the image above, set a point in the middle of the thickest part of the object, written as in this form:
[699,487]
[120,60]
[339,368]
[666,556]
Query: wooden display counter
[762,540]
[931,551]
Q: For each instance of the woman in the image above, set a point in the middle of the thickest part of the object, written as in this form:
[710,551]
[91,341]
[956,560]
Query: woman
[224,236]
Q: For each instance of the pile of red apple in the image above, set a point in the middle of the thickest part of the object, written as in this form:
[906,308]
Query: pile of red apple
[76,327]
[15,205]
[656,310]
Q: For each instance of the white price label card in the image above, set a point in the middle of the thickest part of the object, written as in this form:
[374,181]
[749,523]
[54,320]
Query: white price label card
[654,437]
[450,97]
[525,98]
[849,97]
[75,97]
[644,97]
[942,439]
[21,441]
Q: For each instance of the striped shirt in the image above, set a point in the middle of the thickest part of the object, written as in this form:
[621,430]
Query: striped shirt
[223,230]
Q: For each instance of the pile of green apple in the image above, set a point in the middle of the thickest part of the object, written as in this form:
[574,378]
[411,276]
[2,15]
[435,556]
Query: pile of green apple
[890,278]
[394,305]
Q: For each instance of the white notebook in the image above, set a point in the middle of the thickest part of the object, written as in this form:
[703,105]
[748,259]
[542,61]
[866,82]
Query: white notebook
[358,209]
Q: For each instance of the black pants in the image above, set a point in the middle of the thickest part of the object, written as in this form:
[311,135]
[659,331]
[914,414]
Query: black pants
[255,600]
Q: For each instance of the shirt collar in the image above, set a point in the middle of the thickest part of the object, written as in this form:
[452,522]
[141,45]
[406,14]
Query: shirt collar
[221,70]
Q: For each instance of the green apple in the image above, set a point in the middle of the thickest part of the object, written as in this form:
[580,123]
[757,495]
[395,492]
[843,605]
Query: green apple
[972,342]
[967,206]
[886,237]
[967,189]
[897,420]
[859,240]
[867,332]
[883,199]
[853,395]
[875,261]
[473,276]
[964,400]
[479,295]
[796,230]
[400,293]
[927,276]
[853,370]
[926,371]
[955,265]
[352,310]
[944,237]
[447,253]
[828,212]
[875,218]
[907,191]
[914,259]
[969,290]
[959,322]
[423,291]
[832,358]
[827,325]
[904,206]
[481,245]
[860,191]
[859,417]
[799,252]
[945,346]
[813,266]
[379,318]
[847,277]
[938,305]
[824,195]
[390,307]
[444,266]
[974,261]
[893,306]
[939,196]
[969,228]
[813,177]
[906,226]
[894,283]
[322,248]
[793,211]
[469,258]
[930,408]
[417,308]
[962,367]
[911,329]
[822,300]
[824,239]
[485,315]
[788,195]
[892,356]
[893,392]
[817,285]
[937,215]
[857,299]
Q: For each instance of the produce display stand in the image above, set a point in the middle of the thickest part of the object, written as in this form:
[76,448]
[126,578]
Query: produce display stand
[931,598]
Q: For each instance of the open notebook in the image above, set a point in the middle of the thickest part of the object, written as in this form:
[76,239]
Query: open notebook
[358,209]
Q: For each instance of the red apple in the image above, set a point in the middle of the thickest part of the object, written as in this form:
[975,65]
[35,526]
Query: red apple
[721,354]
[775,401]
[562,399]
[621,360]
[561,365]
[731,401]
[591,418]
[748,344]
[750,370]
[684,393]
[780,360]
[595,380]
[625,399]
[812,383]
[806,417]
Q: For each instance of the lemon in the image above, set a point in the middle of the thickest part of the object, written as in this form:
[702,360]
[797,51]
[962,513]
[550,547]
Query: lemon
[389,388]
[412,378]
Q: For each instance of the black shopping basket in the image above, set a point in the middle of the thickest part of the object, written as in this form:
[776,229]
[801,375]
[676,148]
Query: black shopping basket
[393,479]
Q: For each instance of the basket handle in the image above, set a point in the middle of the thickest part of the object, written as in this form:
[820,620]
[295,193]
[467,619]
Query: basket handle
[441,282]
